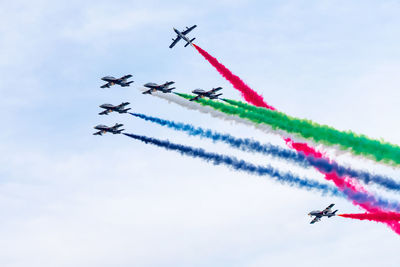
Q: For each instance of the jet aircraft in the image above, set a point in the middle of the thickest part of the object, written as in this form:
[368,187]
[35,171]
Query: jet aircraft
[182,35]
[120,81]
[110,108]
[108,129]
[158,87]
[210,94]
[327,212]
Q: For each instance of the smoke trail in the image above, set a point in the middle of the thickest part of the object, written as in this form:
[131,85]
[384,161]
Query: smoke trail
[174,98]
[218,159]
[376,216]
[350,187]
[358,198]
[359,145]
[244,144]
[241,165]
[250,145]
[249,94]
[367,202]
[347,140]
[347,183]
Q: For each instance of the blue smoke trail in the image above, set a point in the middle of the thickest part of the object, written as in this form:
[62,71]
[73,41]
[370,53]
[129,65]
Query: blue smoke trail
[286,178]
[217,159]
[249,145]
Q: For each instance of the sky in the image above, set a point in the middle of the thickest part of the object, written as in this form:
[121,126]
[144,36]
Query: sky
[68,198]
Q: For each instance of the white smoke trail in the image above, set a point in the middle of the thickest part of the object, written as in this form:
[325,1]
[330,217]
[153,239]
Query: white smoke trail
[331,151]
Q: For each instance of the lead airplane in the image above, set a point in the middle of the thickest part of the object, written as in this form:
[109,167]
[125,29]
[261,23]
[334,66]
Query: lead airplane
[182,35]
[153,87]
[110,108]
[210,94]
[108,129]
[327,212]
[120,81]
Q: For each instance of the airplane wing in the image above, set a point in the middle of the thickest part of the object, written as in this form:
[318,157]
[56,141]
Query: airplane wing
[316,219]
[147,92]
[166,84]
[97,133]
[107,85]
[122,105]
[216,89]
[195,98]
[189,30]
[328,208]
[175,41]
[125,77]
[105,112]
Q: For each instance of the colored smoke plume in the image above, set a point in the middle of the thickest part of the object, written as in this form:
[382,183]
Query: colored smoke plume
[304,159]
[346,140]
[241,165]
[249,95]
[376,216]
[347,185]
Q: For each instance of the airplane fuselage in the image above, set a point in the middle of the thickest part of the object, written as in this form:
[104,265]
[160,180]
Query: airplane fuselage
[123,81]
[319,213]
[180,34]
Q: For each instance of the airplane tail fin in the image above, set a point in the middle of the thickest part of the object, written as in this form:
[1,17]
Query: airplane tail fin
[333,213]
[216,96]
[170,89]
[126,84]
[190,42]
[125,110]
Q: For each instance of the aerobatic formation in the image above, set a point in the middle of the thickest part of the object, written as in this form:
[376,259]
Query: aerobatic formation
[300,136]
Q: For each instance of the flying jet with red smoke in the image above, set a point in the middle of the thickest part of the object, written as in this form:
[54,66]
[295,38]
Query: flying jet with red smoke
[182,35]
[327,212]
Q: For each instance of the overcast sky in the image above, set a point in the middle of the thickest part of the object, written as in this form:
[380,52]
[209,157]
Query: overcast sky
[68,198]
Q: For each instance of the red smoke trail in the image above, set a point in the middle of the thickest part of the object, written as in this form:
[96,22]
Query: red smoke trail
[376,216]
[251,96]
[344,183]
[248,94]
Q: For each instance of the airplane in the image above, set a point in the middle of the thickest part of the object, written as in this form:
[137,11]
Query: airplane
[110,108]
[327,212]
[158,87]
[182,35]
[108,129]
[210,94]
[120,81]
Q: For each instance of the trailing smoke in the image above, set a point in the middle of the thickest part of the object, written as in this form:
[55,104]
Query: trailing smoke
[250,95]
[376,216]
[250,145]
[241,165]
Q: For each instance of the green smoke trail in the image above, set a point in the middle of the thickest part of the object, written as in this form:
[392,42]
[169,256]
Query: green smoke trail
[347,140]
